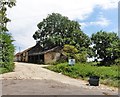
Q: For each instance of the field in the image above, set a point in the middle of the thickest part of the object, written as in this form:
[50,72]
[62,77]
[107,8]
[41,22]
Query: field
[108,75]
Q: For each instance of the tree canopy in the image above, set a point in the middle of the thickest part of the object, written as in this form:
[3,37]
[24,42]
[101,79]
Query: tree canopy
[106,46]
[58,30]
[3,16]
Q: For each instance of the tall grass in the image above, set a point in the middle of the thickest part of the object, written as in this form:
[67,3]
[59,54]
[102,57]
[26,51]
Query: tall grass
[108,75]
[3,70]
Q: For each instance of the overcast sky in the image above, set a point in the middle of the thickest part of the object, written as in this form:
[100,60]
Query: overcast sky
[93,16]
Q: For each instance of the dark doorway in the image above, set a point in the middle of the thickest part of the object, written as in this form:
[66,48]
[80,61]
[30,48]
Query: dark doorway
[41,59]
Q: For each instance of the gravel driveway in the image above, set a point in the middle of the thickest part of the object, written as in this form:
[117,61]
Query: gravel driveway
[33,79]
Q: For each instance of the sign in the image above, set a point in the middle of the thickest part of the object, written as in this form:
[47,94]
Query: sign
[71,61]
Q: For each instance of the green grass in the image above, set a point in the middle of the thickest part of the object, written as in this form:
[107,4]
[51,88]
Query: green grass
[3,70]
[108,75]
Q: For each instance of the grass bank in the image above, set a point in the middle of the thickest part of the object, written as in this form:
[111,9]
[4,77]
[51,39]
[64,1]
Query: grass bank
[3,70]
[108,75]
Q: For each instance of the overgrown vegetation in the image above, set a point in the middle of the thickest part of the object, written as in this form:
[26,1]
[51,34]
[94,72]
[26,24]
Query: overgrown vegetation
[108,75]
[3,70]
[7,51]
[6,46]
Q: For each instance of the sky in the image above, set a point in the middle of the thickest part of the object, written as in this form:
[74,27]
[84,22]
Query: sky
[92,15]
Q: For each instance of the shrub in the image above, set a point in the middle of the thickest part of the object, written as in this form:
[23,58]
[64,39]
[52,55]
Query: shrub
[7,51]
[117,61]
[70,50]
[81,57]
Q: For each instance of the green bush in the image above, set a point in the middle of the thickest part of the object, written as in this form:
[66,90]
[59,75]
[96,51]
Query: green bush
[117,62]
[70,50]
[81,57]
[7,51]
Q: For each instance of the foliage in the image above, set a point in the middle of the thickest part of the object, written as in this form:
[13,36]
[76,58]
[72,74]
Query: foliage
[72,52]
[117,62]
[3,16]
[85,70]
[6,46]
[7,51]
[58,30]
[81,57]
[106,46]
[3,70]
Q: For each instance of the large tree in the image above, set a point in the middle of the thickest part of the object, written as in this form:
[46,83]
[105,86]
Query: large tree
[58,30]
[6,46]
[106,46]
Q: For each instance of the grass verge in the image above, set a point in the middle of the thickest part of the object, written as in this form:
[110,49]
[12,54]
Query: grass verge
[108,75]
[3,70]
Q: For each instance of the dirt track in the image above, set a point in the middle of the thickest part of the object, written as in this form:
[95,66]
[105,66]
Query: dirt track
[32,79]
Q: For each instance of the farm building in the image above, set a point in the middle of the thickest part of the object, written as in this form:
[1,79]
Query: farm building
[18,57]
[22,56]
[37,54]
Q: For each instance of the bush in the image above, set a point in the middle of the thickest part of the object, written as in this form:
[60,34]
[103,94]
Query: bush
[7,51]
[117,61]
[72,52]
[81,57]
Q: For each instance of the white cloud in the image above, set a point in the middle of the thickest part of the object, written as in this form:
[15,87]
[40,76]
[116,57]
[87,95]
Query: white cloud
[103,22]
[28,13]
[107,4]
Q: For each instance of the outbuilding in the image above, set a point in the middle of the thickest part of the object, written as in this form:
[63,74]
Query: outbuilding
[17,57]
[38,55]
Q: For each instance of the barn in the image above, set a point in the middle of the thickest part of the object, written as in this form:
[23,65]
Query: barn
[22,56]
[17,57]
[38,55]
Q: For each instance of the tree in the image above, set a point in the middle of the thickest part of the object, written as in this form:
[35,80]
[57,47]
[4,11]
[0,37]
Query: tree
[6,46]
[106,46]
[7,51]
[58,30]
[72,52]
[3,16]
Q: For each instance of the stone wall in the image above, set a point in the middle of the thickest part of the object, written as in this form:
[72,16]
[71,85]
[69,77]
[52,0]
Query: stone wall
[51,57]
